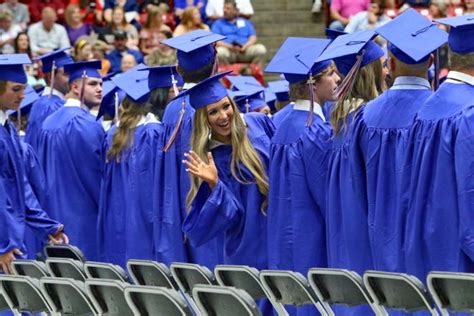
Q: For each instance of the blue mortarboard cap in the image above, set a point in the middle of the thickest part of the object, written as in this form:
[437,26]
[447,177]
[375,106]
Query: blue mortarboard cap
[254,99]
[25,106]
[59,57]
[11,67]
[161,77]
[296,58]
[333,34]
[194,48]
[461,35]
[135,83]
[345,49]
[412,37]
[280,88]
[107,105]
[90,68]
[270,98]
[208,91]
[109,76]
[247,83]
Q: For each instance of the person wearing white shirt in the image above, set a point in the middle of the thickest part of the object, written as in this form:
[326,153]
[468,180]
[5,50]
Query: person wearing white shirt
[8,32]
[215,9]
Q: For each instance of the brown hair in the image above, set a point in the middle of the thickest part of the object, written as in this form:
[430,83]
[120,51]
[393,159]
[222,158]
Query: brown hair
[130,114]
[458,61]
[69,11]
[300,89]
[124,22]
[187,19]
[152,14]
[3,86]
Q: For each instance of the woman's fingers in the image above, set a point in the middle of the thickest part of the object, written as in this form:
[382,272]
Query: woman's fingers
[191,158]
[196,157]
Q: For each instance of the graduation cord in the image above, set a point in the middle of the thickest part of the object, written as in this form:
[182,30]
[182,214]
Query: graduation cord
[53,75]
[177,127]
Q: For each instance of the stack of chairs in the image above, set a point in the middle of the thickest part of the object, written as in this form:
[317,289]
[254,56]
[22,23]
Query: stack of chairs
[67,284]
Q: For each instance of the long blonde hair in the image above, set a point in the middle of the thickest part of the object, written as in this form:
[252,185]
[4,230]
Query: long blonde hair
[363,90]
[243,153]
[130,114]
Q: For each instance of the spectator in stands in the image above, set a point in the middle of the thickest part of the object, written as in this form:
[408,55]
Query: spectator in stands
[91,10]
[99,50]
[83,50]
[46,35]
[215,9]
[130,7]
[37,7]
[19,11]
[162,55]
[468,6]
[342,10]
[74,25]
[149,34]
[120,23]
[370,19]
[128,62]
[241,42]
[181,5]
[149,4]
[8,32]
[190,21]
[115,56]
[22,44]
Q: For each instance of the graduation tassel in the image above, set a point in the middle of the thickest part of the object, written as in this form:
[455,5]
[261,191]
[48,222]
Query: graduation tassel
[176,128]
[18,120]
[116,105]
[346,84]
[311,83]
[436,70]
[174,83]
[83,87]
[53,75]
[247,106]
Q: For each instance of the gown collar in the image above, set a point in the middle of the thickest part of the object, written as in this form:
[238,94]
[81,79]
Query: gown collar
[410,83]
[55,92]
[304,105]
[460,77]
[77,103]
[144,120]
[188,85]
[3,117]
[214,144]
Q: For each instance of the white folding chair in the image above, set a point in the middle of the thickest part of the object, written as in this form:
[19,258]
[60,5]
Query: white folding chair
[339,286]
[67,296]
[152,273]
[66,268]
[452,291]
[108,271]
[224,301]
[150,300]
[108,296]
[290,288]
[398,291]
[31,268]
[23,294]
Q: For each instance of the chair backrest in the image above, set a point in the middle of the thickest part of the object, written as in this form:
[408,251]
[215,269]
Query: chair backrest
[150,300]
[64,251]
[290,288]
[452,291]
[66,268]
[240,277]
[226,301]
[3,302]
[67,296]
[398,291]
[23,294]
[187,275]
[338,286]
[152,273]
[108,271]
[108,296]
[31,268]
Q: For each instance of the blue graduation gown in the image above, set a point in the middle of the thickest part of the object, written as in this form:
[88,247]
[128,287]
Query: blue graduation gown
[177,182]
[380,145]
[127,214]
[298,167]
[281,114]
[40,110]
[70,151]
[16,208]
[440,164]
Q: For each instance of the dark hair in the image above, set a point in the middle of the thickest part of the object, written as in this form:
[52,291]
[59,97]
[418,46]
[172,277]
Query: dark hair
[168,34]
[230,2]
[197,75]
[159,100]
[16,43]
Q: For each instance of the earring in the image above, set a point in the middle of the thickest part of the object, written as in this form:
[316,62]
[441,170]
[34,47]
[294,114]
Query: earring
[209,135]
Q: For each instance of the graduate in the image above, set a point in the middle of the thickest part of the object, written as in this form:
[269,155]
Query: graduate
[128,186]
[282,104]
[253,101]
[15,209]
[298,161]
[112,96]
[197,61]
[229,186]
[439,164]
[380,138]
[70,151]
[53,96]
